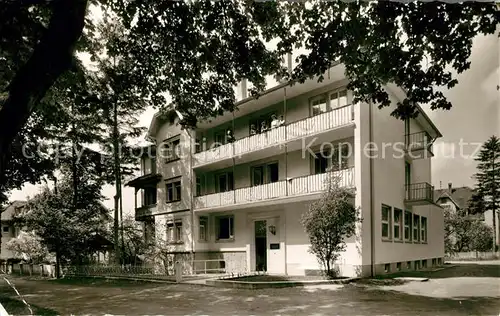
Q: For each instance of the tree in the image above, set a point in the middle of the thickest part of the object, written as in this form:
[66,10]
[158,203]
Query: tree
[29,247]
[197,51]
[488,180]
[121,103]
[65,230]
[210,46]
[465,233]
[329,222]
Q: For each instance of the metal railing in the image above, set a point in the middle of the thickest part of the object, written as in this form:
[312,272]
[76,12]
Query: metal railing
[144,211]
[209,266]
[419,192]
[291,187]
[418,141]
[275,136]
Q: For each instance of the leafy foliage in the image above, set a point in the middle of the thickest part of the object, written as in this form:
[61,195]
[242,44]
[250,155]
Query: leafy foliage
[29,247]
[465,233]
[64,229]
[329,222]
[211,46]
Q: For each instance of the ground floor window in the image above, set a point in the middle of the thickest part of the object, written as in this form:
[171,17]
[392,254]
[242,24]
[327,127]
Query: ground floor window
[407,224]
[386,222]
[174,231]
[225,227]
[398,223]
[387,268]
[424,264]
[423,229]
[203,228]
[408,265]
[416,228]
[398,266]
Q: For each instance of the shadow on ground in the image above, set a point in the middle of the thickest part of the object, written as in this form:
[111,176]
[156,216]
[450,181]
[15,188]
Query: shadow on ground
[452,271]
[17,307]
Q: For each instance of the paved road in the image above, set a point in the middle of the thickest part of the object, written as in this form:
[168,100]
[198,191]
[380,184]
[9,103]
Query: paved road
[98,297]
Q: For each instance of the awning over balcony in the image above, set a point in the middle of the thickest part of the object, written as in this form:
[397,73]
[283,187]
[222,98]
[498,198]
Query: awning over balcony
[144,181]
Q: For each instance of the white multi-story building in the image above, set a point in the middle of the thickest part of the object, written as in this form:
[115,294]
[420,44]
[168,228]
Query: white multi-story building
[235,187]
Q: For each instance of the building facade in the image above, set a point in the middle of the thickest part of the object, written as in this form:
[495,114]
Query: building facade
[234,188]
[9,230]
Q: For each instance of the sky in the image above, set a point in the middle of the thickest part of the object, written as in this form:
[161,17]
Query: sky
[474,117]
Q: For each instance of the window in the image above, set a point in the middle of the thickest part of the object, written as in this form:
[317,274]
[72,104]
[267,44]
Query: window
[319,105]
[408,265]
[398,219]
[265,174]
[320,161]
[174,231]
[408,225]
[398,266]
[386,221]
[340,156]
[387,268]
[338,99]
[272,172]
[407,173]
[417,264]
[416,227]
[424,264]
[171,149]
[224,182]
[149,196]
[173,190]
[153,165]
[434,262]
[423,229]
[6,229]
[220,138]
[440,261]
[225,227]
[203,228]
[198,186]
[257,175]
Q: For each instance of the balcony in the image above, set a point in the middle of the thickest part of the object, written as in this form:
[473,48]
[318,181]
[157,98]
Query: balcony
[418,145]
[296,188]
[141,213]
[419,193]
[303,128]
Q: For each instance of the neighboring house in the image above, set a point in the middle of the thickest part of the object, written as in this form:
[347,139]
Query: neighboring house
[456,199]
[235,187]
[9,231]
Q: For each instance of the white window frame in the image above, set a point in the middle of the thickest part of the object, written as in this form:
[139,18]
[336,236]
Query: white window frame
[174,231]
[397,224]
[203,228]
[423,229]
[416,228]
[174,182]
[386,222]
[408,225]
[171,150]
[217,182]
[317,99]
[231,227]
[336,96]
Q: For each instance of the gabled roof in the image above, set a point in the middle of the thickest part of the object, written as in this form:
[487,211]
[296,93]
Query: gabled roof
[459,196]
[9,212]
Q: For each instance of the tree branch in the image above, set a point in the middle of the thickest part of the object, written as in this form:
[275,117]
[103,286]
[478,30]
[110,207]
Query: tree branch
[51,57]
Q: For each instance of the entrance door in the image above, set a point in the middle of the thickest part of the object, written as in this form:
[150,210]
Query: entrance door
[261,245]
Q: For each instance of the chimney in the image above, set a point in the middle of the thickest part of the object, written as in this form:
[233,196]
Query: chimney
[449,186]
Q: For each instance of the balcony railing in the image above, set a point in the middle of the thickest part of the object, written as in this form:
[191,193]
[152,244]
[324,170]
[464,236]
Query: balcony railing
[302,128]
[144,211]
[281,189]
[419,192]
[418,141]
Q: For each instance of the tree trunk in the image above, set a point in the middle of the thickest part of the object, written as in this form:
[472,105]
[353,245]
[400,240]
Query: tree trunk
[58,263]
[51,57]
[494,232]
[116,168]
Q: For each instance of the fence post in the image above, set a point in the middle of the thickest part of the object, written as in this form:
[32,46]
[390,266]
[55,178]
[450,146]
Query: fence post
[178,271]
